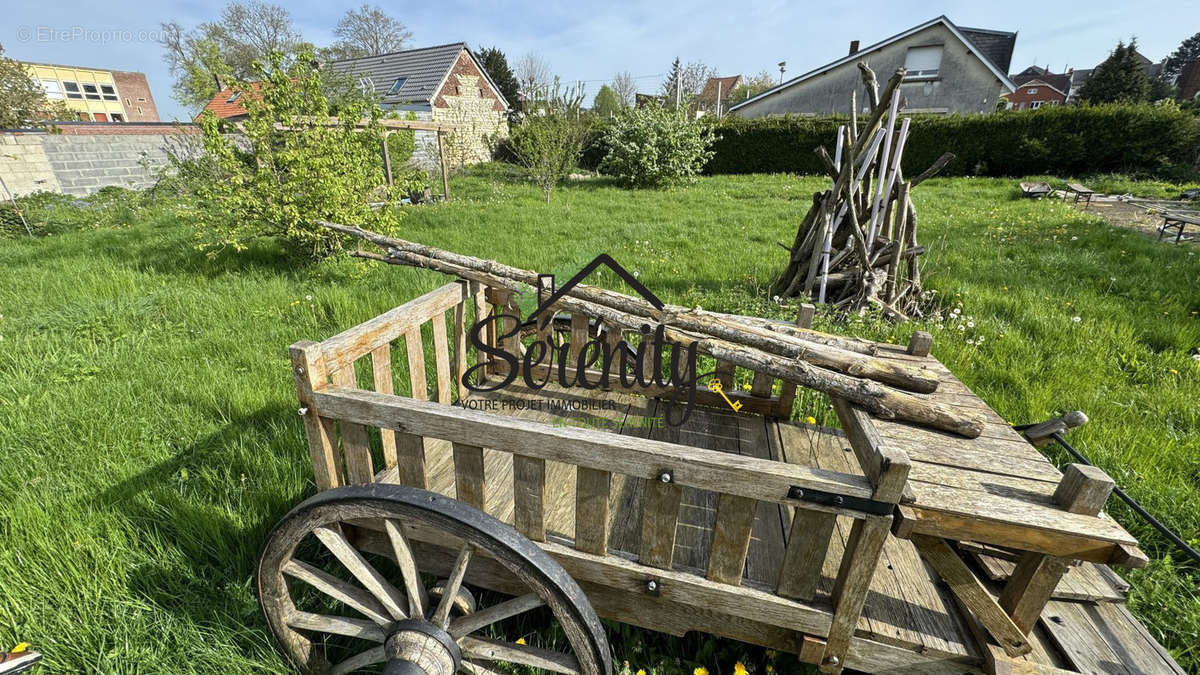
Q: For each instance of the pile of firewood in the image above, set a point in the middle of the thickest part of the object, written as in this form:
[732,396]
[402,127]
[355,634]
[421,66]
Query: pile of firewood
[857,246]
[843,367]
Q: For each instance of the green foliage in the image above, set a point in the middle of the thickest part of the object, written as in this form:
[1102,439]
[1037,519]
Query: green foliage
[1189,50]
[402,144]
[550,137]
[1120,79]
[750,87]
[495,64]
[287,168]
[655,146]
[52,213]
[606,103]
[22,102]
[1158,140]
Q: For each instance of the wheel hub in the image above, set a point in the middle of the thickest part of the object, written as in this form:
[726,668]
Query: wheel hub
[417,647]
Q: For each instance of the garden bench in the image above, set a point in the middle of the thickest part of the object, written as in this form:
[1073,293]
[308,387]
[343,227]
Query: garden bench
[1177,222]
[1080,192]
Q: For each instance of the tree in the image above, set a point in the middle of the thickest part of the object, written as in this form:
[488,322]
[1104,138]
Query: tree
[496,65]
[656,146]
[550,138]
[367,31]
[1189,50]
[533,76]
[1119,79]
[205,59]
[606,103]
[23,103]
[287,168]
[691,79]
[751,87]
[624,86]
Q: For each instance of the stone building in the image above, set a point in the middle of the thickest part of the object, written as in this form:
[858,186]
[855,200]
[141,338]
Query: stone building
[950,69]
[445,84]
[96,94]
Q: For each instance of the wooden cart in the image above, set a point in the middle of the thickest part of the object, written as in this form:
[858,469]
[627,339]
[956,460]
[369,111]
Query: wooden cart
[736,523]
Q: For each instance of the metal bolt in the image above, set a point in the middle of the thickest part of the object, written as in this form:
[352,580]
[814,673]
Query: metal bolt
[833,660]
[652,585]
[299,370]
[666,478]
[798,493]
[837,500]
[303,411]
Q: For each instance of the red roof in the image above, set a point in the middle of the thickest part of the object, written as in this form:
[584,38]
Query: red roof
[727,84]
[225,105]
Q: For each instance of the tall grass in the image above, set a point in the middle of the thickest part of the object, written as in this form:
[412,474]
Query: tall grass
[148,425]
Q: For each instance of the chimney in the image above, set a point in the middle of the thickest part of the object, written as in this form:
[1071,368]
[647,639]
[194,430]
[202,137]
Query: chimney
[854,46]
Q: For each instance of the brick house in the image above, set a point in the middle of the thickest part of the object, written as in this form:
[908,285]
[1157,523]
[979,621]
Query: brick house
[714,98]
[444,84]
[1036,87]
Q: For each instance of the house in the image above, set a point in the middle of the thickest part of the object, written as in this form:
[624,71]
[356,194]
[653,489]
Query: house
[1078,77]
[951,69]
[643,100]
[446,84]
[228,104]
[96,94]
[1037,86]
[1189,80]
[714,98]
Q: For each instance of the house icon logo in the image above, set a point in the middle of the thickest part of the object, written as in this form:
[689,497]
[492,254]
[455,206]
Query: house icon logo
[640,359]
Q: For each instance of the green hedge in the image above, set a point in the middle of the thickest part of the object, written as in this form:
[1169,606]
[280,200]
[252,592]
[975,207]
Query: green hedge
[1062,140]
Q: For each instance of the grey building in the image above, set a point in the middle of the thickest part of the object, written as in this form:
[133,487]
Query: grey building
[951,69]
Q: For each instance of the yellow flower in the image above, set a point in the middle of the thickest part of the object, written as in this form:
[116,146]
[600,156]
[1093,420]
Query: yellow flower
[739,669]
[641,671]
[746,387]
[770,668]
[21,646]
[520,641]
[810,419]
[700,671]
[1174,372]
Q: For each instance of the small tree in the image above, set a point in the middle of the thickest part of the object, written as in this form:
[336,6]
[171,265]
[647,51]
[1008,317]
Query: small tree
[751,87]
[1189,50]
[22,101]
[550,137]
[1120,79]
[625,87]
[656,146]
[495,64]
[606,103]
[287,167]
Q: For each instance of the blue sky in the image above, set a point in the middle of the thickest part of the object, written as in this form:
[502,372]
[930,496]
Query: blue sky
[592,41]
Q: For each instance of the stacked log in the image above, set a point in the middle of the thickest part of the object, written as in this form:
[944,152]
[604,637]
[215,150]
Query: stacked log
[838,366]
[857,246]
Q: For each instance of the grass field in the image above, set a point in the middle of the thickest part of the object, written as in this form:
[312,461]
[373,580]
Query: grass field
[148,425]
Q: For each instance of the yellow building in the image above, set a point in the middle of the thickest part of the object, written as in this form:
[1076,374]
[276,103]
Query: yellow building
[89,92]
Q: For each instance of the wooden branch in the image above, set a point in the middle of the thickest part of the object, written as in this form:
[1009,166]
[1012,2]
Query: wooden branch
[932,170]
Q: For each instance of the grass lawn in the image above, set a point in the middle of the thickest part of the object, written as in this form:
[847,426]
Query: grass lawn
[148,424]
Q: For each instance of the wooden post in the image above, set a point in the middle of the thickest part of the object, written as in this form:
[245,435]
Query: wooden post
[787,390]
[1083,489]
[920,343]
[309,370]
[445,169]
[387,159]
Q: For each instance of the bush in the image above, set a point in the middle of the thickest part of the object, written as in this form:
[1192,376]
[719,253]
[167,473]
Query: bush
[286,168]
[655,146]
[1159,140]
[550,137]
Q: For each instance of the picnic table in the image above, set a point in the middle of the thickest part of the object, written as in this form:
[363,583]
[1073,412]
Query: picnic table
[1177,221]
[1080,192]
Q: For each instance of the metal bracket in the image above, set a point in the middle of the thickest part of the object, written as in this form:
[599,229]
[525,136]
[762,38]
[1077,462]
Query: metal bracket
[869,506]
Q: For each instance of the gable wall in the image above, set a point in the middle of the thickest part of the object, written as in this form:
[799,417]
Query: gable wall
[964,84]
[467,100]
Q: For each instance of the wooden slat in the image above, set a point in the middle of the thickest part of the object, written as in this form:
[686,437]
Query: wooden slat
[469,482]
[724,374]
[760,479]
[761,385]
[410,460]
[660,517]
[418,385]
[441,353]
[355,446]
[346,347]
[592,510]
[460,345]
[805,554]
[529,496]
[731,539]
[309,372]
[381,372]
[579,336]
[850,588]
[884,464]
[787,390]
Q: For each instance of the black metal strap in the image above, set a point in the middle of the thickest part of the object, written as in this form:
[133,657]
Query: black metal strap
[869,506]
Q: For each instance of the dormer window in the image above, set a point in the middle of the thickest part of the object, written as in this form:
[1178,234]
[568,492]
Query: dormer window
[234,98]
[397,86]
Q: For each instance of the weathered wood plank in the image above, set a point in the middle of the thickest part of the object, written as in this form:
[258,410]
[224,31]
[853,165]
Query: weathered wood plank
[529,496]
[592,490]
[310,374]
[850,588]
[418,385]
[441,354]
[660,518]
[469,481]
[355,446]
[346,347]
[410,460]
[805,554]
[884,464]
[381,373]
[731,539]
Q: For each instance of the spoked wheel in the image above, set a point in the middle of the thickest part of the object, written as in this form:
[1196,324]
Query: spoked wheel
[412,613]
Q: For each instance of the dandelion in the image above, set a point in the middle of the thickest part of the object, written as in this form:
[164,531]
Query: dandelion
[700,671]
[746,387]
[812,420]
[520,641]
[308,298]
[739,669]
[641,671]
[970,324]
[1195,357]
[1076,319]
[961,327]
[1173,371]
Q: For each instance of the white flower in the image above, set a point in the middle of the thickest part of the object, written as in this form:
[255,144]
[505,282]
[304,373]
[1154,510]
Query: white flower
[961,327]
[1074,238]
[1076,319]
[970,324]
[1195,357]
[308,297]
[970,341]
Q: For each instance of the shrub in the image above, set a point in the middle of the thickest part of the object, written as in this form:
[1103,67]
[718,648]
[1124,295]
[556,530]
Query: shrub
[550,137]
[655,146]
[286,168]
[1151,139]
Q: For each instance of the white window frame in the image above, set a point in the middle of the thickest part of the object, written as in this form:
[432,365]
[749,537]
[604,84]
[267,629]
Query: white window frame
[1035,104]
[52,89]
[926,66]
[1031,91]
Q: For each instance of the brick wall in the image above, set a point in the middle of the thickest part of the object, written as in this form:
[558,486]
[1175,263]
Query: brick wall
[84,158]
[135,95]
[469,102]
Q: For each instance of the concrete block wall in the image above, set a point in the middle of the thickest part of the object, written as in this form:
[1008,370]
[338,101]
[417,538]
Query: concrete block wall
[24,166]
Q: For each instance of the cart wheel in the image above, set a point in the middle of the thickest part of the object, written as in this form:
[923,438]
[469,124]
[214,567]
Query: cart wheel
[412,627]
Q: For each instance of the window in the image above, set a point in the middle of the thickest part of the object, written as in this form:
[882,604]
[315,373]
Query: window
[128,102]
[139,110]
[109,93]
[72,89]
[53,91]
[397,86]
[141,99]
[234,98]
[117,117]
[84,117]
[1031,90]
[1035,104]
[101,117]
[923,62]
[91,92]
